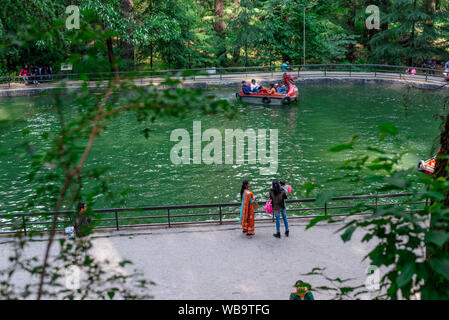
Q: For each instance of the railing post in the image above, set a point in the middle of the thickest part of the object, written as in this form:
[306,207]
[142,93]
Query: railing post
[24,225]
[221,74]
[168,216]
[116,221]
[221,220]
[325,208]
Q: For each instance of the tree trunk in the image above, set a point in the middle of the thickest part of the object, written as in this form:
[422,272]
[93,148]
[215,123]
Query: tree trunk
[219,28]
[127,48]
[151,43]
[431,9]
[237,48]
[351,25]
[111,57]
[412,37]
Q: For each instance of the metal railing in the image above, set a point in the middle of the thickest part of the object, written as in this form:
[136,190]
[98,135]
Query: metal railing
[113,218]
[238,73]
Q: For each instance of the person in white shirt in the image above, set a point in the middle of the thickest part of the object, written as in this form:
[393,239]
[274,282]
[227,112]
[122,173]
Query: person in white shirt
[255,86]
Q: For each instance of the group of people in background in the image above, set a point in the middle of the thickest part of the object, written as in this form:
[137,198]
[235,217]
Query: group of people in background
[277,197]
[33,73]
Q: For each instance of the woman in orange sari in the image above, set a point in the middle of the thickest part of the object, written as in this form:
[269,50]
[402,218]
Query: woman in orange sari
[247,209]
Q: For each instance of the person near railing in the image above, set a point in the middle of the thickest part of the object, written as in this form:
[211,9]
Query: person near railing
[25,73]
[411,70]
[82,221]
[432,65]
[277,197]
[46,73]
[285,66]
[287,190]
[247,215]
[301,292]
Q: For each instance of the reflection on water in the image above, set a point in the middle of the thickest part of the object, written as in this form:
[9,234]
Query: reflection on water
[324,117]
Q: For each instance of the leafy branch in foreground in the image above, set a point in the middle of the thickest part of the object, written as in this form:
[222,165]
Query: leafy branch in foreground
[411,237]
[61,178]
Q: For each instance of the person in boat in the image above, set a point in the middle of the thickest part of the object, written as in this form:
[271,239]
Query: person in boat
[282,89]
[247,209]
[255,86]
[271,90]
[301,292]
[246,88]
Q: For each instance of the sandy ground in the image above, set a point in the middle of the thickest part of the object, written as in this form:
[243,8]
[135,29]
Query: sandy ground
[219,262]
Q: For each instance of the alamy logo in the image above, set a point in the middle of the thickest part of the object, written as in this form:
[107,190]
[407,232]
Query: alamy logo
[373,21]
[73,20]
[212,152]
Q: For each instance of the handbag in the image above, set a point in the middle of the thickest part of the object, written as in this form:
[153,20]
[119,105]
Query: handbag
[268,207]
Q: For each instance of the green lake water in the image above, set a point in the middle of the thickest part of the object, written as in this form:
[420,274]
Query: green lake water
[327,115]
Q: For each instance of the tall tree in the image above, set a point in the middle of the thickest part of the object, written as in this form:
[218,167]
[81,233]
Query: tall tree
[219,28]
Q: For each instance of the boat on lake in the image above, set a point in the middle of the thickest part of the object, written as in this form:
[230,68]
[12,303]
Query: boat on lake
[277,99]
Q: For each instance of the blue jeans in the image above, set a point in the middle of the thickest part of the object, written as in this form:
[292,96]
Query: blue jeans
[278,219]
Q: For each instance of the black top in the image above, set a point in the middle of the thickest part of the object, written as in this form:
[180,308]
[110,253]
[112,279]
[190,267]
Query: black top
[277,200]
[81,225]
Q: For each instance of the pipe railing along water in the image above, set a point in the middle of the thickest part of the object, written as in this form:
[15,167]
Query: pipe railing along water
[17,222]
[309,70]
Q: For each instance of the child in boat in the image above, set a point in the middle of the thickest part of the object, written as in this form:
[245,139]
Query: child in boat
[282,89]
[255,86]
[245,88]
[271,90]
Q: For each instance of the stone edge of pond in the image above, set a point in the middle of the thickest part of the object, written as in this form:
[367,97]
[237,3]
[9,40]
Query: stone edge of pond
[233,83]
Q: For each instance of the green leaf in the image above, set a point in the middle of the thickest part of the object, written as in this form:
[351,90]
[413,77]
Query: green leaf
[438,237]
[387,129]
[314,221]
[323,198]
[406,274]
[344,146]
[346,236]
[441,266]
[111,294]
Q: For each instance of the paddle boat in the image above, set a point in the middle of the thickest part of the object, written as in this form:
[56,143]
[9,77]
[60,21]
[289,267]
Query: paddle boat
[428,166]
[276,98]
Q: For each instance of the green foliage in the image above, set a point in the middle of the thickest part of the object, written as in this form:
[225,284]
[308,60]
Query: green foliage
[61,177]
[410,243]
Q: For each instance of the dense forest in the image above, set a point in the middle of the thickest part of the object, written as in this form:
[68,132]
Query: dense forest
[156,34]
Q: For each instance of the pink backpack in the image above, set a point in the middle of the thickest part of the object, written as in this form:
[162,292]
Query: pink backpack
[268,208]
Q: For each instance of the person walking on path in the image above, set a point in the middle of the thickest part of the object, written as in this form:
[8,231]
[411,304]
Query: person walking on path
[81,221]
[247,209]
[301,292]
[278,196]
